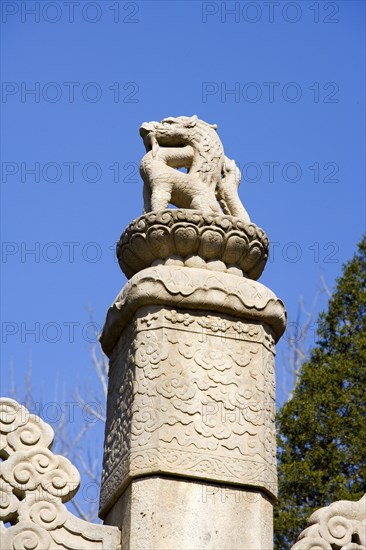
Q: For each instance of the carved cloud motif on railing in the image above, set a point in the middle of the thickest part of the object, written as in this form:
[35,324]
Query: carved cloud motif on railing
[340,526]
[35,484]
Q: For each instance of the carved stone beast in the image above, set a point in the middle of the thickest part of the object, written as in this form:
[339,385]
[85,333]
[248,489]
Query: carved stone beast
[192,144]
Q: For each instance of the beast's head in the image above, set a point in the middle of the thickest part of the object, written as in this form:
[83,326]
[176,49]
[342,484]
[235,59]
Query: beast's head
[170,132]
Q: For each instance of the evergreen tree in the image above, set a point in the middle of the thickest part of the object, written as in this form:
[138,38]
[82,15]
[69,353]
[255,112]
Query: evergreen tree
[322,429]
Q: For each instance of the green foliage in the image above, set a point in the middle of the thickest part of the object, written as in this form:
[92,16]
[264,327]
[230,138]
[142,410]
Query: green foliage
[322,429]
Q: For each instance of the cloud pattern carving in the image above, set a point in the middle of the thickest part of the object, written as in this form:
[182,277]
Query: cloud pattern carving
[35,484]
[198,401]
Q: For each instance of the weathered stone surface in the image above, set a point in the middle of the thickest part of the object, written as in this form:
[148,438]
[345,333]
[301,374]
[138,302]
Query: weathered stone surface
[166,513]
[190,394]
[340,526]
[197,290]
[185,237]
[191,143]
[34,484]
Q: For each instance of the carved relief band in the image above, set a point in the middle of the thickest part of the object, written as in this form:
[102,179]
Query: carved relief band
[185,237]
[193,395]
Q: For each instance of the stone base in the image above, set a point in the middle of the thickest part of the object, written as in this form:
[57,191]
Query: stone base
[169,513]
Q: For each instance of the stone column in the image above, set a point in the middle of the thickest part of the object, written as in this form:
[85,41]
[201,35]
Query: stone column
[189,455]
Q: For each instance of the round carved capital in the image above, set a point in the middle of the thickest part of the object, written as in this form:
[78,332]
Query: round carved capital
[186,238]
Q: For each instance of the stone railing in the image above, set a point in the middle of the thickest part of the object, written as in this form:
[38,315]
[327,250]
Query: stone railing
[340,526]
[35,484]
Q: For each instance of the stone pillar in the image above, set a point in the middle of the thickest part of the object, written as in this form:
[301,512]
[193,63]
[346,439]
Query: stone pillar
[189,455]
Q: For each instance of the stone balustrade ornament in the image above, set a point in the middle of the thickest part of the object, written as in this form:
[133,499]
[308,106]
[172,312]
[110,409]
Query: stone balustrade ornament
[190,444]
[35,484]
[191,341]
[340,526]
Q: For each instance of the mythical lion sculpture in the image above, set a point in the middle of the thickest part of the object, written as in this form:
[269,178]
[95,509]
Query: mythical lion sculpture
[211,178]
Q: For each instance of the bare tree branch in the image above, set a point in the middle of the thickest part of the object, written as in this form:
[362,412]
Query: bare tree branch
[82,514]
[296,353]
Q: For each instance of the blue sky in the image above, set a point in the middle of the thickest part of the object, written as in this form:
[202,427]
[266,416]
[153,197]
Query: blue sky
[285,84]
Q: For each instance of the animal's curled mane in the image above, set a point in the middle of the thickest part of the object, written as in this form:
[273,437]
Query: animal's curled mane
[206,139]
